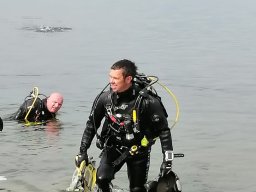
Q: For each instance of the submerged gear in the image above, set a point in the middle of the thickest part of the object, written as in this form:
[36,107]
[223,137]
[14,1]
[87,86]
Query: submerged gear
[84,177]
[169,183]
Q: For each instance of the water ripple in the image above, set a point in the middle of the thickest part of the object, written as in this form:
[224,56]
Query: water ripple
[46,29]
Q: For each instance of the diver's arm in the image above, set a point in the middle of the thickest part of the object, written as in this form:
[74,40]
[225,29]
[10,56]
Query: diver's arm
[165,132]
[93,123]
[21,113]
[88,135]
[159,121]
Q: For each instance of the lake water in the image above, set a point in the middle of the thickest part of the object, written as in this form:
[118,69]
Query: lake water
[204,51]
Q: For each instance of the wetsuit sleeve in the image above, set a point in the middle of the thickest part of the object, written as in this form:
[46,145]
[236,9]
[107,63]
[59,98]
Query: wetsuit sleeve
[158,117]
[34,113]
[21,113]
[93,123]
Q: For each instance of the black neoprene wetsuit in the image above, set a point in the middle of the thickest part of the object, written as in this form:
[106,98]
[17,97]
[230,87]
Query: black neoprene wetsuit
[152,122]
[38,113]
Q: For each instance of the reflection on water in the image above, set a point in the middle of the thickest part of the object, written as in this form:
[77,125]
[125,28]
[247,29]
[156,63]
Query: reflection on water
[51,127]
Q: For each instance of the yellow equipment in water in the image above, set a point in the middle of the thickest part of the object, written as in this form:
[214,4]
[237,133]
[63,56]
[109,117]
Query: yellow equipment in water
[34,94]
[89,177]
[84,177]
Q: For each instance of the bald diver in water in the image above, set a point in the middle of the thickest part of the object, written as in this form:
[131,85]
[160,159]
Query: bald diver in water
[38,110]
[42,110]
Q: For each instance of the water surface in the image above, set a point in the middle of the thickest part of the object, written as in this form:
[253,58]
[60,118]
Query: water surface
[203,51]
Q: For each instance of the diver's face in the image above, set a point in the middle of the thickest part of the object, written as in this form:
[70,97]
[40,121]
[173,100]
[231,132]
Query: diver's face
[54,102]
[118,82]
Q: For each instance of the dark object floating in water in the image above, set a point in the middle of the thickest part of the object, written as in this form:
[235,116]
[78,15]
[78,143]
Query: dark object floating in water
[47,29]
[1,124]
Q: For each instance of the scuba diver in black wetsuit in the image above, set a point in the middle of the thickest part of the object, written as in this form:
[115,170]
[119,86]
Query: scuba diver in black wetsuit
[134,117]
[35,109]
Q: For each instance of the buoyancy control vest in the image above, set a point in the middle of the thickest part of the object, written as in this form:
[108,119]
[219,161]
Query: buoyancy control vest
[123,113]
[119,115]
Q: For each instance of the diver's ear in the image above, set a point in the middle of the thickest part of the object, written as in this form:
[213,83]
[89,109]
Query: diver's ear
[128,79]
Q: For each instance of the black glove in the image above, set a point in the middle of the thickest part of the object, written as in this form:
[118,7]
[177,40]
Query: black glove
[100,143]
[81,157]
[166,166]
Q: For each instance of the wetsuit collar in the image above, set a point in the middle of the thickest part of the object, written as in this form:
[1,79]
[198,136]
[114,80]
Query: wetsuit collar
[129,94]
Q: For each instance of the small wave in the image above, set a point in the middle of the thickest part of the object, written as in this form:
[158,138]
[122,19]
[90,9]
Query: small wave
[3,178]
[46,29]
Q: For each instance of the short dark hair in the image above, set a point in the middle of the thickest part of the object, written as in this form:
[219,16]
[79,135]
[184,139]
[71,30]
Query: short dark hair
[129,67]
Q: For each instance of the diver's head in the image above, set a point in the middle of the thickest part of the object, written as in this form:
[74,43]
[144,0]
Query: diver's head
[54,102]
[121,75]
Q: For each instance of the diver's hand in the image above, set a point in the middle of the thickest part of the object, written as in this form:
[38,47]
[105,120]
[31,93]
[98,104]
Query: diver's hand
[100,143]
[81,157]
[166,166]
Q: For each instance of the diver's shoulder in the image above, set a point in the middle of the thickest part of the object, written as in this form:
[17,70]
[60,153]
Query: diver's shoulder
[104,97]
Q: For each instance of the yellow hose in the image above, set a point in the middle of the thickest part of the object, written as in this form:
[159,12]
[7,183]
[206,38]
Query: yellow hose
[174,99]
[34,94]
